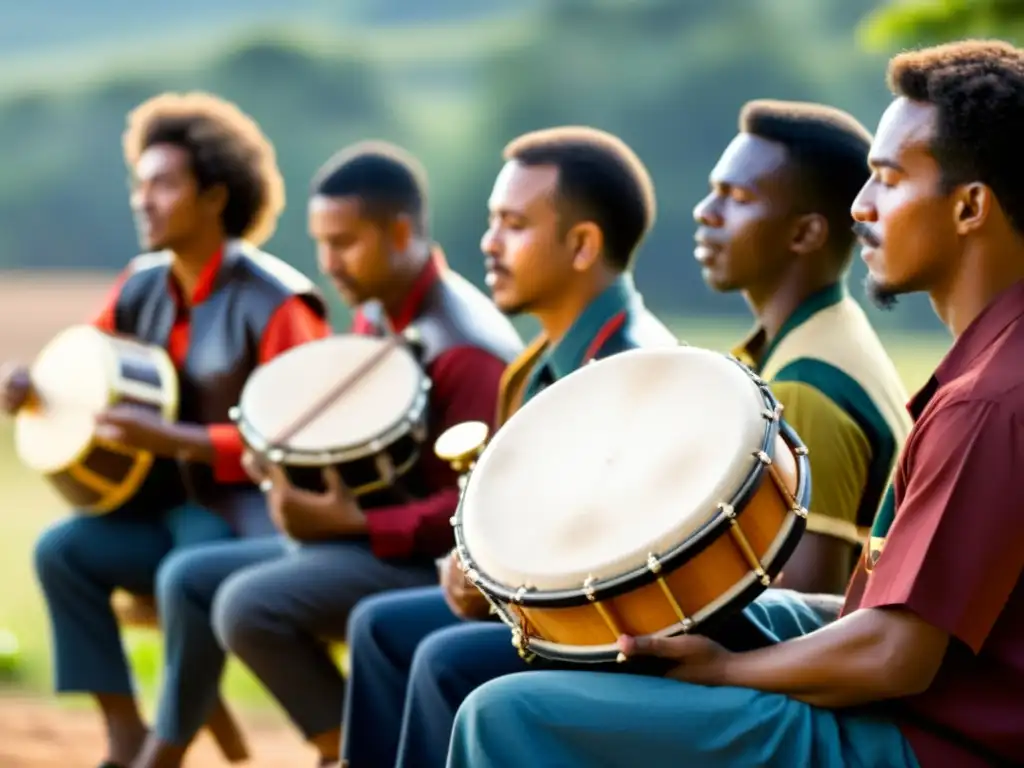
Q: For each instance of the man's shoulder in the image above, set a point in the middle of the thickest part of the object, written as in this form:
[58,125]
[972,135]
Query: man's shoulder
[639,330]
[457,313]
[271,270]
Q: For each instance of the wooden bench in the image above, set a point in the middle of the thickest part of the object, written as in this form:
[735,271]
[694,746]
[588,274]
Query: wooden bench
[140,612]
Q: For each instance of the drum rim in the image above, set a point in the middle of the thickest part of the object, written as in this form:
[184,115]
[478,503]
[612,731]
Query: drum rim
[161,361]
[412,416]
[682,552]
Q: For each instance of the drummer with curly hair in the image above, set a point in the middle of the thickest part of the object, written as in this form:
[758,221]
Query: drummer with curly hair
[206,192]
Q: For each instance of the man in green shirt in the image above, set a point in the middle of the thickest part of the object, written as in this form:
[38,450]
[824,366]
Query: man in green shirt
[567,213]
[776,226]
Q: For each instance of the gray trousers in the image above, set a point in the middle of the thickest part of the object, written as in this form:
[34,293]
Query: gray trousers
[80,561]
[275,605]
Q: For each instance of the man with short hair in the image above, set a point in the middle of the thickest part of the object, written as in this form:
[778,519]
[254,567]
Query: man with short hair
[567,214]
[776,227]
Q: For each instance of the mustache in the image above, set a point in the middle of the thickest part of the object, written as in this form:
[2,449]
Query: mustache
[866,234]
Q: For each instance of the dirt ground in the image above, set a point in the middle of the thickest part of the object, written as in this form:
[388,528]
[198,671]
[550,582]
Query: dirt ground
[36,733]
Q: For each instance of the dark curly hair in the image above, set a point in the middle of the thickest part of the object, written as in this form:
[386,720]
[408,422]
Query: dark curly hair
[829,149]
[977,89]
[387,180]
[226,147]
[600,179]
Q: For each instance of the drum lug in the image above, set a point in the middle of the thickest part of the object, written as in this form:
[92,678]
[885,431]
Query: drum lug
[764,458]
[234,413]
[275,455]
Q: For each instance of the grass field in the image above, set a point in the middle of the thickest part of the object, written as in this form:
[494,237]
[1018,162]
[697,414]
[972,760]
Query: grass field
[28,505]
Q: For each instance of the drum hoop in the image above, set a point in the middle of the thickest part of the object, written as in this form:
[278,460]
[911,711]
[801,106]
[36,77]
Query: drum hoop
[303,458]
[681,553]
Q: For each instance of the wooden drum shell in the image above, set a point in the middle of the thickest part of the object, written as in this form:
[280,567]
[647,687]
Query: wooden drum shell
[102,475]
[716,575]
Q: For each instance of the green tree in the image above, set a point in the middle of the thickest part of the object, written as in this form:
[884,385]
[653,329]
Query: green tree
[928,22]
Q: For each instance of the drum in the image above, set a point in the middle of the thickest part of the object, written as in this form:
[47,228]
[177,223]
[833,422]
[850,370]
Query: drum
[649,493]
[372,434]
[80,373]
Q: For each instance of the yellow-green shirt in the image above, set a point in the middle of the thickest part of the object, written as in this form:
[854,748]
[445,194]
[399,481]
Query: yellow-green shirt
[843,396]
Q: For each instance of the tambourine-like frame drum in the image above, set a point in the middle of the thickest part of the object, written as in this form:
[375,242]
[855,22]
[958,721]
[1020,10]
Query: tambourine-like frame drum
[723,565]
[372,435]
[81,372]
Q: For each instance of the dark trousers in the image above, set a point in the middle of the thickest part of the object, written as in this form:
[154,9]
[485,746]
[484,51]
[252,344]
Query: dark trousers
[278,614]
[413,662]
[80,561]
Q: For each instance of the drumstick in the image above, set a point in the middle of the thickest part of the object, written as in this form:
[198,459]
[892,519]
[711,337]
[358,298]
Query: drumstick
[336,392]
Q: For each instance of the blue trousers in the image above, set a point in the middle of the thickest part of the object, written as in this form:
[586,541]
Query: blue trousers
[80,561]
[574,718]
[412,664]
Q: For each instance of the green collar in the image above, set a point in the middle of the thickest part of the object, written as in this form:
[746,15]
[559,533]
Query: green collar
[756,353]
[567,355]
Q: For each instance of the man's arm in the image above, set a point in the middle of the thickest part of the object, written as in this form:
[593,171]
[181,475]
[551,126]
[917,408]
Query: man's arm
[293,324]
[465,388]
[958,507]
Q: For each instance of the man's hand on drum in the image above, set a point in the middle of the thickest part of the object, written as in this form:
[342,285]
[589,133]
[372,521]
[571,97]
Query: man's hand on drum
[699,659]
[462,596]
[15,388]
[308,516]
[139,428]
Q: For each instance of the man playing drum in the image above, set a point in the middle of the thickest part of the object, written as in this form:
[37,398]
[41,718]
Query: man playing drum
[567,214]
[775,226]
[281,600]
[924,665]
[205,184]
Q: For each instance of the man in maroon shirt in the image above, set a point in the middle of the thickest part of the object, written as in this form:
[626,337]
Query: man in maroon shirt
[205,190]
[274,602]
[924,665]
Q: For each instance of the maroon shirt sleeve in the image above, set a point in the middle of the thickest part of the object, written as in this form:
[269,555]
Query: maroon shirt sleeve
[464,388]
[956,548]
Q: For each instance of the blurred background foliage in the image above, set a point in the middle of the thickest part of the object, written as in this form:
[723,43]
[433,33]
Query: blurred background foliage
[452,80]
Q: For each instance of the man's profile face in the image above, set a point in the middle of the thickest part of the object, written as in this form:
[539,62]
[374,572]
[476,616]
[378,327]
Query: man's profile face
[903,217]
[743,224]
[165,197]
[527,262]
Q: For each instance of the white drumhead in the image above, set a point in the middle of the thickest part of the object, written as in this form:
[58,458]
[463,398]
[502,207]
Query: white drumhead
[624,457]
[73,376]
[281,391]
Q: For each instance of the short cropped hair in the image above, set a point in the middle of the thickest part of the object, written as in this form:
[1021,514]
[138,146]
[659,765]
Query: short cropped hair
[977,89]
[829,148]
[600,179]
[225,147]
[387,180]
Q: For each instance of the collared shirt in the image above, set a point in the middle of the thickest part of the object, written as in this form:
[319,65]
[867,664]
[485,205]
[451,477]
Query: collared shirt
[616,320]
[954,555]
[464,387]
[842,394]
[601,318]
[292,324]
